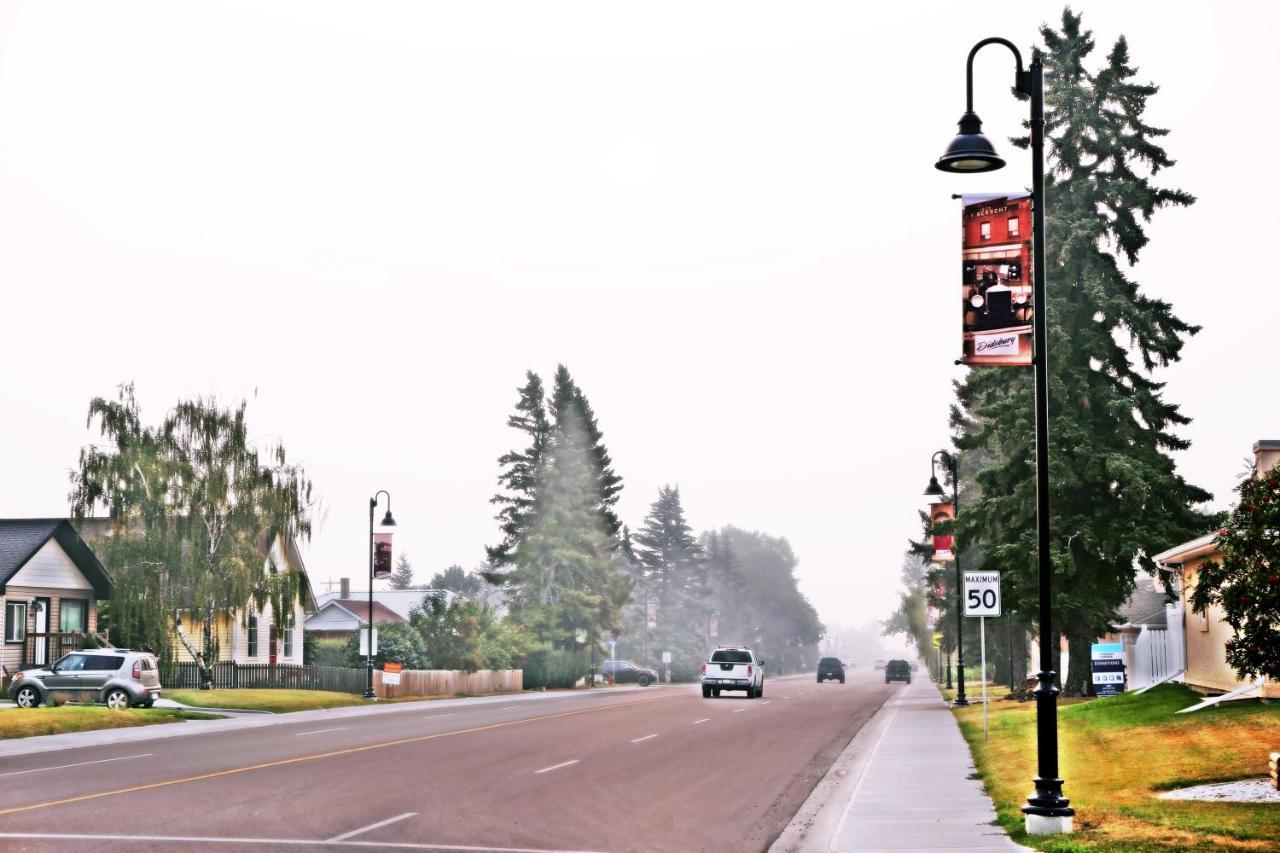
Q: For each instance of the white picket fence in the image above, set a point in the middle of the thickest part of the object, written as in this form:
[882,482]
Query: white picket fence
[1157,653]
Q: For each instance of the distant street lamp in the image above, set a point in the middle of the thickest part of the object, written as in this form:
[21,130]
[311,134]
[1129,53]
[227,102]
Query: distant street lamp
[935,493]
[387,521]
[1047,811]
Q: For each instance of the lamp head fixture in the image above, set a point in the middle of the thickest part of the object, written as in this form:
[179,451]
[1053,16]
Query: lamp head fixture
[970,151]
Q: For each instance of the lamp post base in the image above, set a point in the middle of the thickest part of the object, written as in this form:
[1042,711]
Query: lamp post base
[371,696]
[1039,824]
[960,702]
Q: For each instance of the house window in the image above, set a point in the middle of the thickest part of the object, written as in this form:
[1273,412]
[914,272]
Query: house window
[288,642]
[73,615]
[1013,226]
[253,636]
[15,622]
[985,230]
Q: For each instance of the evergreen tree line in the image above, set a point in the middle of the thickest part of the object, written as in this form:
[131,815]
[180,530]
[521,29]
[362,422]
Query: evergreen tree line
[1116,497]
[573,577]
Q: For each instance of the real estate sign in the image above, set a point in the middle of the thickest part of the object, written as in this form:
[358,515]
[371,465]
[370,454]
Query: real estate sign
[1107,660]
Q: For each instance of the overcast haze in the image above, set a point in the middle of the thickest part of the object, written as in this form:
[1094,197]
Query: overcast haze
[723,218]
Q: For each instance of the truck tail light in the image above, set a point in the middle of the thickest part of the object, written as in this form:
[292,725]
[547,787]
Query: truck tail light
[704,669]
[751,670]
[137,670]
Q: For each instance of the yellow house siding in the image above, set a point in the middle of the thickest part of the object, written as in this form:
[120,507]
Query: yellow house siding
[1206,637]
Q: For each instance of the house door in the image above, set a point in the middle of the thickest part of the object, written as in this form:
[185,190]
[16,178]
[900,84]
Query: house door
[40,646]
[272,639]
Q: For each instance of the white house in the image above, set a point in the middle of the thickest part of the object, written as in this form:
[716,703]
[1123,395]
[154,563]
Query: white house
[50,585]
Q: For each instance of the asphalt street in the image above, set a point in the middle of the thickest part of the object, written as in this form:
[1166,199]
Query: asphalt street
[654,769]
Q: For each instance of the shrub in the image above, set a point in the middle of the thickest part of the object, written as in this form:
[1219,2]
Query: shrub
[546,666]
[395,643]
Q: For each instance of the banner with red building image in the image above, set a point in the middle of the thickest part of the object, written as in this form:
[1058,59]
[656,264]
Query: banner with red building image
[996,289]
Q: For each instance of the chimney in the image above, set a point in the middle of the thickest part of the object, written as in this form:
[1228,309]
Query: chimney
[1266,453]
[344,588]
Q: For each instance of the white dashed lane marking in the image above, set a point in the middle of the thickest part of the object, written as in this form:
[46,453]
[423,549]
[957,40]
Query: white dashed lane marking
[555,766]
[646,737]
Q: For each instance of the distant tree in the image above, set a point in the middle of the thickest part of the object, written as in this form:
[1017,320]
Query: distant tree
[463,634]
[674,571]
[570,408]
[402,576]
[911,617]
[1245,579]
[456,579]
[396,642]
[195,507]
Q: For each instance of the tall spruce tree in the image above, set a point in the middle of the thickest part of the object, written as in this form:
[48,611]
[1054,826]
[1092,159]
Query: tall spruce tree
[556,561]
[519,471]
[402,575]
[1116,497]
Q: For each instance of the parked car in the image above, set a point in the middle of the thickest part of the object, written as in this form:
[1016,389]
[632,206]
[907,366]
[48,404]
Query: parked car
[830,668]
[880,664]
[733,668]
[897,670]
[625,671]
[117,678]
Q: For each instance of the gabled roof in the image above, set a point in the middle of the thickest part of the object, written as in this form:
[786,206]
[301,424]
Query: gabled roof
[21,538]
[359,610]
[1198,547]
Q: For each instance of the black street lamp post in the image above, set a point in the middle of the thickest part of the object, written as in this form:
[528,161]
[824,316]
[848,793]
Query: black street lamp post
[935,492]
[1047,811]
[387,521]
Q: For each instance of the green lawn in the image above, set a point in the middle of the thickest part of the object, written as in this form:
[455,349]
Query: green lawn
[1117,753]
[49,720]
[275,701]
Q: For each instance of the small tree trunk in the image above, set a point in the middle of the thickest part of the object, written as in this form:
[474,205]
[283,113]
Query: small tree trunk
[206,676]
[1079,680]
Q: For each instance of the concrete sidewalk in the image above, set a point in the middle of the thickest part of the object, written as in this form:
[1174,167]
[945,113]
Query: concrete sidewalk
[902,784]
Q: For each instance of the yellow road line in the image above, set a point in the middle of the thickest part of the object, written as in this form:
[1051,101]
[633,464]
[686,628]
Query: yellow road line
[315,757]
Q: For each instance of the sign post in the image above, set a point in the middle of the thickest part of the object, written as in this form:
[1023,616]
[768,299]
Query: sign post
[982,599]
[666,662]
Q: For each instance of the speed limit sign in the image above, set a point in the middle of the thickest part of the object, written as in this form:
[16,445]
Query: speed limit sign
[981,593]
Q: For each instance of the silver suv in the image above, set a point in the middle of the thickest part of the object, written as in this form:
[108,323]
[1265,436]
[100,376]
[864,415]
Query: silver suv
[117,678]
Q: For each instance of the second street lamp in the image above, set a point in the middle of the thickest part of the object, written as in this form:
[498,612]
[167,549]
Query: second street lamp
[387,521]
[935,493]
[1047,811]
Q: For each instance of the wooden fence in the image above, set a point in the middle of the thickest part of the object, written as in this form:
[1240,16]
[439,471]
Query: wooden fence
[413,682]
[443,682]
[185,675]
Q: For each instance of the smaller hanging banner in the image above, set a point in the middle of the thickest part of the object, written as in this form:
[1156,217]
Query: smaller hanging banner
[652,613]
[995,288]
[382,556]
[714,626]
[942,545]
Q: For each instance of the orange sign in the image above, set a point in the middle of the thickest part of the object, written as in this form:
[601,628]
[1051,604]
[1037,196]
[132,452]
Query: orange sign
[392,666]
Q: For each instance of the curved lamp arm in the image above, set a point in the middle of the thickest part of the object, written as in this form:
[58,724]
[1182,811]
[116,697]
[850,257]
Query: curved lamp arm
[1023,79]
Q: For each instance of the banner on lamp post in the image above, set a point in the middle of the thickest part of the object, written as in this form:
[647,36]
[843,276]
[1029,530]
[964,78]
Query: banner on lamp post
[713,627]
[942,544]
[381,556]
[651,613]
[996,290]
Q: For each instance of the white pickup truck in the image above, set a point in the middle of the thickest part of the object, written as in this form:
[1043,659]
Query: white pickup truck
[732,668]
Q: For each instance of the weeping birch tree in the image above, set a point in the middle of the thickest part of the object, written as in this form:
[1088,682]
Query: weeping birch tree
[195,506]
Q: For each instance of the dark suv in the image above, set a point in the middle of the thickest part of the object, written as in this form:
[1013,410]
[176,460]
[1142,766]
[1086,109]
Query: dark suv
[897,670]
[623,671]
[830,668]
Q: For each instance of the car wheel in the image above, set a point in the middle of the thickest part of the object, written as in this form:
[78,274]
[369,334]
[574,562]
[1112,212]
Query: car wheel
[715,691]
[643,681]
[117,699]
[819,679]
[842,681]
[760,690]
[28,697]
[706,693]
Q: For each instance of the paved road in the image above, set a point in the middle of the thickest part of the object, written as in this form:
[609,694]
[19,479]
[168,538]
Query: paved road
[656,769]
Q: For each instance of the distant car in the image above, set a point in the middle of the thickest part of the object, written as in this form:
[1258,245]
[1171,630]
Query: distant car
[117,678]
[733,668]
[625,672]
[830,668]
[880,664]
[897,670]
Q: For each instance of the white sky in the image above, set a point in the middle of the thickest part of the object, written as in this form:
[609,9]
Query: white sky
[723,217]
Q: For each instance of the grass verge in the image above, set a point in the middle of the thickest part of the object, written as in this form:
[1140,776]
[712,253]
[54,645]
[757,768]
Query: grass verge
[1117,753]
[48,720]
[275,701]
